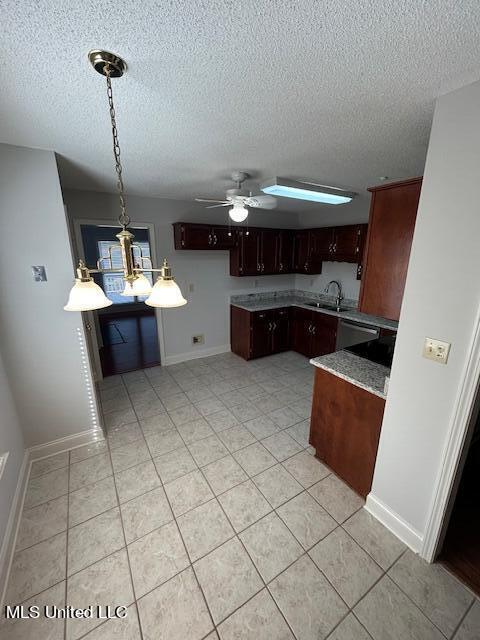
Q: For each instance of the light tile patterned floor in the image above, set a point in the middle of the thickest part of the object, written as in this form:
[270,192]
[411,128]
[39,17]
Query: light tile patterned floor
[206,514]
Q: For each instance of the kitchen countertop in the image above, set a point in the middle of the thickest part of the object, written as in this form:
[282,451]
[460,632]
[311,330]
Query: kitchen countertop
[292,301]
[359,371]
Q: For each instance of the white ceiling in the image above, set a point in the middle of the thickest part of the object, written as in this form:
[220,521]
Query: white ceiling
[333,90]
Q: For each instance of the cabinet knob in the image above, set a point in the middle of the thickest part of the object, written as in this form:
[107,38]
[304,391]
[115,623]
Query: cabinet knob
[215,239]
[305,266]
[263,267]
[209,238]
[259,266]
[280,266]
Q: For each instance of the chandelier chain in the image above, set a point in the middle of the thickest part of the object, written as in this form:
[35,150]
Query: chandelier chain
[123,218]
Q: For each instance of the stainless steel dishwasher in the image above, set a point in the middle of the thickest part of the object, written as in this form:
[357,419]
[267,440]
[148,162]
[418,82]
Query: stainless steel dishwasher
[350,333]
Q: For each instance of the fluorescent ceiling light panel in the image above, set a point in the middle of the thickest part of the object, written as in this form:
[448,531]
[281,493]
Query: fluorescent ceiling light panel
[286,188]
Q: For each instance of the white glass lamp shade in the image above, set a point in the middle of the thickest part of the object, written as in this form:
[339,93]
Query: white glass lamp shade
[139,287]
[86,296]
[238,213]
[165,294]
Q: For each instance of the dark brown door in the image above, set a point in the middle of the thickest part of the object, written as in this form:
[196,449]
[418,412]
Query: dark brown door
[324,334]
[281,330]
[250,253]
[268,257]
[284,252]
[193,236]
[261,328]
[322,244]
[301,252]
[346,243]
[301,330]
[223,238]
[390,232]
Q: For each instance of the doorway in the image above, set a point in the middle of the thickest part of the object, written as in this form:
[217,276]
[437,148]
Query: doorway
[126,333]
[460,550]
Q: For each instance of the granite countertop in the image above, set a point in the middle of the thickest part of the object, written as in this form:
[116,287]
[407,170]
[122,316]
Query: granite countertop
[359,371]
[265,304]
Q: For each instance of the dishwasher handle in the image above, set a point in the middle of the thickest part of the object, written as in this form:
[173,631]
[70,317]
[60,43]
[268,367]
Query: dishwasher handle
[374,331]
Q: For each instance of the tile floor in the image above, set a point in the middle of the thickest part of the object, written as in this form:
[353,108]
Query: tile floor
[205,513]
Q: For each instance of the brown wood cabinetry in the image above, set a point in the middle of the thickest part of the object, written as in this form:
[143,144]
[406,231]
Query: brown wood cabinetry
[306,257]
[312,333]
[259,333]
[345,428]
[393,213]
[202,236]
[262,251]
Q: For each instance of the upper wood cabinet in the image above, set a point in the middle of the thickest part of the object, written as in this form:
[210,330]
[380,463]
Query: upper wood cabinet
[393,212]
[263,251]
[306,256]
[202,236]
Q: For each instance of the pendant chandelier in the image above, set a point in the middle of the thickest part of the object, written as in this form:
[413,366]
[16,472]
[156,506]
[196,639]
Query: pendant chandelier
[85,294]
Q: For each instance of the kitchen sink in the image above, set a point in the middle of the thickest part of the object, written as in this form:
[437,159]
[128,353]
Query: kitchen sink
[323,305]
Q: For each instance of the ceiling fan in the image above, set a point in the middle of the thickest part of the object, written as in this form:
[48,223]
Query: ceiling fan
[239,199]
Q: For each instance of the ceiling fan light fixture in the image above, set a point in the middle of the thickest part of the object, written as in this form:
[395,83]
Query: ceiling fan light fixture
[303,190]
[238,213]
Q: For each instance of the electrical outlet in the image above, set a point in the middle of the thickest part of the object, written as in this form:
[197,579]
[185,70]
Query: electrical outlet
[436,350]
[200,339]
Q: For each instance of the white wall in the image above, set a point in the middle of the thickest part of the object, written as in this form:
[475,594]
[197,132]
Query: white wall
[38,339]
[442,297]
[344,272]
[11,440]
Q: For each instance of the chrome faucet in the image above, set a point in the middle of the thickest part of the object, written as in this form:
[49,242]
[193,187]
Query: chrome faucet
[339,298]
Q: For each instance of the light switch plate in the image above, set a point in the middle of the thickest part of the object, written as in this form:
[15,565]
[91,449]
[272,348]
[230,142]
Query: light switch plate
[436,350]
[39,273]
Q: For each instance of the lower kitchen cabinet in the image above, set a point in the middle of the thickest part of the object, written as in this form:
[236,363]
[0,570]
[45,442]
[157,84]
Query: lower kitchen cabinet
[312,333]
[345,428]
[259,333]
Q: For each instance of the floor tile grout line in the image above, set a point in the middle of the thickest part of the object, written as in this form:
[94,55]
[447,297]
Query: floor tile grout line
[132,583]
[237,535]
[462,619]
[67,546]
[188,556]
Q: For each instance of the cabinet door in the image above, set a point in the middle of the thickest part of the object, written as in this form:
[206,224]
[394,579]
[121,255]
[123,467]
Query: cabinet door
[301,330]
[390,231]
[268,251]
[261,334]
[301,252]
[322,244]
[324,334]
[346,243]
[223,238]
[281,330]
[249,253]
[284,252]
[192,236]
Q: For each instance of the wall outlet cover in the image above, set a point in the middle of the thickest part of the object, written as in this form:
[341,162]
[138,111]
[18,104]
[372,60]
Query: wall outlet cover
[436,350]
[199,339]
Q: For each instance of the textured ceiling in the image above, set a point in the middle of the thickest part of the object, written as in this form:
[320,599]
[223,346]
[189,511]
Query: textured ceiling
[333,90]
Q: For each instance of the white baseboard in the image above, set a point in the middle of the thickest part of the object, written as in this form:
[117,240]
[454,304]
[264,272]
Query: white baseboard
[10,537]
[34,453]
[394,523]
[64,444]
[193,355]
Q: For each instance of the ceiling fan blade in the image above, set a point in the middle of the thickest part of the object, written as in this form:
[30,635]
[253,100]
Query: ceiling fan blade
[261,202]
[224,204]
[206,200]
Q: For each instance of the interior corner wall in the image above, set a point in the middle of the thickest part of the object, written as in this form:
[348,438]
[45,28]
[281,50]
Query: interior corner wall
[441,300]
[11,441]
[206,272]
[40,342]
